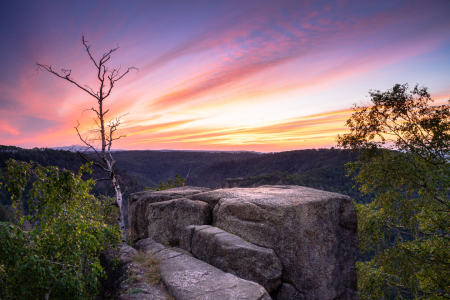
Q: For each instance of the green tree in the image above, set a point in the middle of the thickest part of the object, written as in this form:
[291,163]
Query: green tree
[171,183]
[404,145]
[52,253]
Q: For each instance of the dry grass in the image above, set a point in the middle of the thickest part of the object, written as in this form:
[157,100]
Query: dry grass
[170,297]
[151,265]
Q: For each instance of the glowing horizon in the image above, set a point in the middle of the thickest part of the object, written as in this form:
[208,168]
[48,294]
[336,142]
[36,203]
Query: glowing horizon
[261,76]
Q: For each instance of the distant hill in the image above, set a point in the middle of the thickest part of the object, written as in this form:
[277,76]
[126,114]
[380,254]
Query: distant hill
[76,148]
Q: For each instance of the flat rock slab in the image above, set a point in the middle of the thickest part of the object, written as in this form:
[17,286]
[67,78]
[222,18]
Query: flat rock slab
[313,232]
[191,279]
[232,254]
[164,221]
[149,245]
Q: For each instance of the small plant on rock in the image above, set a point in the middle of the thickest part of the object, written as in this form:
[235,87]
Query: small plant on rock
[134,291]
[132,279]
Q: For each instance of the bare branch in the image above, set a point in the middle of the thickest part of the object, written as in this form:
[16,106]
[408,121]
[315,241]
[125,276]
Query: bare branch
[87,50]
[101,179]
[91,161]
[87,143]
[126,189]
[112,79]
[185,179]
[65,77]
[92,91]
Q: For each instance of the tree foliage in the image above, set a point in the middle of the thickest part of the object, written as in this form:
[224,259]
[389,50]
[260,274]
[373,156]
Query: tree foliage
[171,183]
[53,251]
[404,145]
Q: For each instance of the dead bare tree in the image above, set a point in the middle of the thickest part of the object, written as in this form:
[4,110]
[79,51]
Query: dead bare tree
[101,132]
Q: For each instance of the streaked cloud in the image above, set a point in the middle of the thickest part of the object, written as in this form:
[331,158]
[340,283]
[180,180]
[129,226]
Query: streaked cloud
[253,75]
[312,131]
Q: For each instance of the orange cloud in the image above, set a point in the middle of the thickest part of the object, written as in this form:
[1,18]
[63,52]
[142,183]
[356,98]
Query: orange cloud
[301,132]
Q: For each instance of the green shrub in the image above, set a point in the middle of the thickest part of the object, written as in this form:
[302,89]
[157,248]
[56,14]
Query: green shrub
[57,254]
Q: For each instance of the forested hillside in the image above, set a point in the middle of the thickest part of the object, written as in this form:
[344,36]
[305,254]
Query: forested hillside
[152,166]
[321,168]
[63,159]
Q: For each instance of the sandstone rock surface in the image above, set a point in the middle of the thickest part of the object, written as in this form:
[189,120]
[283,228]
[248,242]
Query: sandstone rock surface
[149,245]
[164,221]
[232,254]
[312,232]
[240,182]
[150,196]
[191,279]
[137,202]
[289,292]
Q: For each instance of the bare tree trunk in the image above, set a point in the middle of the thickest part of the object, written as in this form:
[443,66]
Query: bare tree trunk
[121,216]
[118,203]
[107,77]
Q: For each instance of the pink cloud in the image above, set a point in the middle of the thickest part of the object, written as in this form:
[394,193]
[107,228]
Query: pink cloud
[243,54]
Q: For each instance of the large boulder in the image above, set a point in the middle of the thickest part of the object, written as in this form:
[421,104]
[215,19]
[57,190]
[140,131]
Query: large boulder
[314,233]
[164,221]
[232,254]
[138,201]
[188,278]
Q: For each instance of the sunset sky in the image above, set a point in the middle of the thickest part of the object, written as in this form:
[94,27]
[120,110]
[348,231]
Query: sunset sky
[215,75]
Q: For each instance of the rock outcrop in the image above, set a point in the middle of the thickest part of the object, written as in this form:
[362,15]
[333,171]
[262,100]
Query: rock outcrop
[232,254]
[188,278]
[138,205]
[312,233]
[164,221]
[146,197]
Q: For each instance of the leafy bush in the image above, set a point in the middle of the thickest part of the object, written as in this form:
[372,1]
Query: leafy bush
[57,255]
